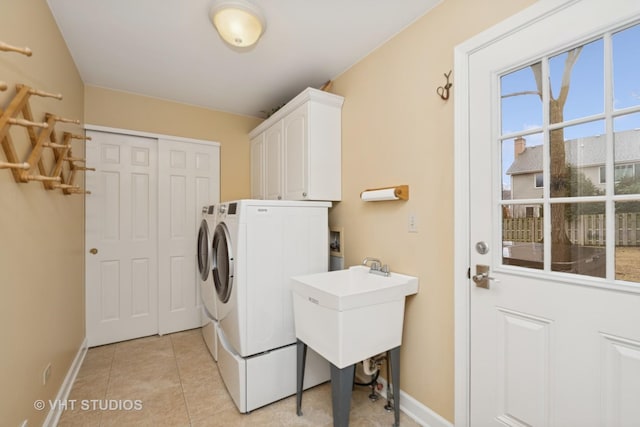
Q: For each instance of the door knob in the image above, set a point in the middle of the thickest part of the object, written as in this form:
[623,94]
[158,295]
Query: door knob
[481,278]
[93,251]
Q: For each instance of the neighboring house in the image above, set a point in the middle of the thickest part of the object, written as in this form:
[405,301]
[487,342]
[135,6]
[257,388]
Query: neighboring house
[587,154]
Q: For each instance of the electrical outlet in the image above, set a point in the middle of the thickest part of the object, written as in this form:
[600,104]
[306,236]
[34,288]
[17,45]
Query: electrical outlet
[412,225]
[46,374]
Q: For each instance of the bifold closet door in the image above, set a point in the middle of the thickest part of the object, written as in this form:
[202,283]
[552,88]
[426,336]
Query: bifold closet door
[189,180]
[121,238]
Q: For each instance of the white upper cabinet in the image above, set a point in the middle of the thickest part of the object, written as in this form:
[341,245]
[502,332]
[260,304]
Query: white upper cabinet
[301,154]
[273,162]
[295,154]
[257,167]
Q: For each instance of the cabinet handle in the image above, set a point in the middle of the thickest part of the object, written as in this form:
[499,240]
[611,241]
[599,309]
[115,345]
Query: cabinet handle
[279,197]
[304,194]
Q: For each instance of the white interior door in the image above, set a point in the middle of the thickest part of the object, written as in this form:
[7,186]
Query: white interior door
[121,237]
[189,180]
[554,180]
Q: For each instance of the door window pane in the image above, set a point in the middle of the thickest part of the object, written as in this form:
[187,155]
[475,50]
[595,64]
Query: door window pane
[578,238]
[577,153]
[549,160]
[627,154]
[627,231]
[522,234]
[577,82]
[626,63]
[521,162]
[521,100]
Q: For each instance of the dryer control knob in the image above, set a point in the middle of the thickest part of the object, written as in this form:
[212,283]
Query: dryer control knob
[222,209]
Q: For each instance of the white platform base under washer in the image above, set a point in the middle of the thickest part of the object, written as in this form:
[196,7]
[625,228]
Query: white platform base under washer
[267,377]
[209,333]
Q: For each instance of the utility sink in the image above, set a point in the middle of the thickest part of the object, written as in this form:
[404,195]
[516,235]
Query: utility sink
[350,315]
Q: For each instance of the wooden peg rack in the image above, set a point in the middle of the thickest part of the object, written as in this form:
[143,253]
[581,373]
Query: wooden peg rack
[42,136]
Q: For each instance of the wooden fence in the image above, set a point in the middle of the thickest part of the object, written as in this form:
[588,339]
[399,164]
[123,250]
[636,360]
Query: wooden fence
[586,230]
[522,229]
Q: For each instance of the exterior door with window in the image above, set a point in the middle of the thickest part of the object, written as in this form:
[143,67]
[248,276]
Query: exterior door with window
[554,221]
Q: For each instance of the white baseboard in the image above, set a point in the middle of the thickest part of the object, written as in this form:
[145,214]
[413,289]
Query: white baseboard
[415,410]
[63,393]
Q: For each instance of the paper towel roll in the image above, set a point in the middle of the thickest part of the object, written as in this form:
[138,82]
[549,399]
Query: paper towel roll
[378,195]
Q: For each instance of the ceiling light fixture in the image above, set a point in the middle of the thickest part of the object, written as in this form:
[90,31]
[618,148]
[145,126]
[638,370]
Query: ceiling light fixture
[238,22]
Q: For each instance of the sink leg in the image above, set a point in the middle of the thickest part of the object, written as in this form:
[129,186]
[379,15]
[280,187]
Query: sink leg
[394,355]
[301,350]
[341,386]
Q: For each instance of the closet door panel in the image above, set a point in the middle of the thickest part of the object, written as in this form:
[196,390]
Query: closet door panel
[188,180]
[121,288]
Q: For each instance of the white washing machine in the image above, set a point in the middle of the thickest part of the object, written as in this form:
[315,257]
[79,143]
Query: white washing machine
[209,314]
[257,246]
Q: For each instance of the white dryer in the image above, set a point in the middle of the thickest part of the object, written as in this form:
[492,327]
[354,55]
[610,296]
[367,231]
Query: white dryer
[257,246]
[209,313]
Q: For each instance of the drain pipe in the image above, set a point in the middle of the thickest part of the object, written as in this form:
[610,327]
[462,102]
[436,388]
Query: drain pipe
[370,366]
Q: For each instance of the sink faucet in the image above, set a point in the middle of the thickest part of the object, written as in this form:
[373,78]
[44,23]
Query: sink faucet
[376,266]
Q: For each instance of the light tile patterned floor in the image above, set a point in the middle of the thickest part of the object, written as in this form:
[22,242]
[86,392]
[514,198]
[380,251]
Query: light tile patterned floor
[178,384]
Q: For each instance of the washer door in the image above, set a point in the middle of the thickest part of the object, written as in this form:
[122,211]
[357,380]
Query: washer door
[222,258]
[204,256]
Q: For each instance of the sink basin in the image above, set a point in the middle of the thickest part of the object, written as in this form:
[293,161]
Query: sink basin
[350,315]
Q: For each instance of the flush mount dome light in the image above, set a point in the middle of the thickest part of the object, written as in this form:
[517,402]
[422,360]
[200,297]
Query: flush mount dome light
[238,22]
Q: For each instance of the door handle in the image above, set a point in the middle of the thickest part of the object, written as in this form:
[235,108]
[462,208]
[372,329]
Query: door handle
[93,251]
[482,278]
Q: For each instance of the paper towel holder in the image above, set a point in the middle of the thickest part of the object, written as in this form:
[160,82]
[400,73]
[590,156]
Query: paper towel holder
[398,192]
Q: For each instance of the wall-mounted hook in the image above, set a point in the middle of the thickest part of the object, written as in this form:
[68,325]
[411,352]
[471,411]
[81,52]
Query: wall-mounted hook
[443,91]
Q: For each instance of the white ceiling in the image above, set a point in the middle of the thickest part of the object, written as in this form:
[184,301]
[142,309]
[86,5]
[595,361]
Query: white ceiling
[168,48]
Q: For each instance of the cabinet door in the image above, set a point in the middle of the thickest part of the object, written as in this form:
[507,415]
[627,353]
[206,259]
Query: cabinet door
[295,154]
[273,162]
[257,167]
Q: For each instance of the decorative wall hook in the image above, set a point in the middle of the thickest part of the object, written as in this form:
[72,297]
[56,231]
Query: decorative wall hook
[443,91]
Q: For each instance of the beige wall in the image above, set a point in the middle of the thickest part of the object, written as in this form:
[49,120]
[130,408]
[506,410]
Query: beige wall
[41,232]
[396,130]
[110,108]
